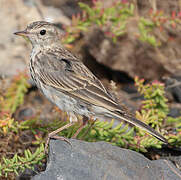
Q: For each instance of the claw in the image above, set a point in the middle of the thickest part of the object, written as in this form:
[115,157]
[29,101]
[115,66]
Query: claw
[53,135]
[62,139]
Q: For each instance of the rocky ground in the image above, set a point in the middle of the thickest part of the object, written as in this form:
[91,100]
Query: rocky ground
[103,161]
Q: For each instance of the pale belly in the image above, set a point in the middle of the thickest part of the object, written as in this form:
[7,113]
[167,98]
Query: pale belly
[66,103]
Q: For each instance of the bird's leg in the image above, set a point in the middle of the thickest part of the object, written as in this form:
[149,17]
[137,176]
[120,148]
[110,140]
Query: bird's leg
[92,123]
[72,119]
[53,135]
[85,119]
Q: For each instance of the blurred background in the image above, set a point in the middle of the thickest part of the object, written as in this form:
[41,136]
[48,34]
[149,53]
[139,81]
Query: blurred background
[123,42]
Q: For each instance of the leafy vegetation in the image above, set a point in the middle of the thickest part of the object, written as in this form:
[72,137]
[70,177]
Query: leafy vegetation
[19,163]
[113,19]
[154,110]
[11,100]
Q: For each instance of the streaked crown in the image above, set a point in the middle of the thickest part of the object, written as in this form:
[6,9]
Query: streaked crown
[42,33]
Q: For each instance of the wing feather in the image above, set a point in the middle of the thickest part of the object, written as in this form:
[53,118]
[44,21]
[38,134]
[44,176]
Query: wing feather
[77,82]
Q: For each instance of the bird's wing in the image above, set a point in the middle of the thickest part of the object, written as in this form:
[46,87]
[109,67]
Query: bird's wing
[72,77]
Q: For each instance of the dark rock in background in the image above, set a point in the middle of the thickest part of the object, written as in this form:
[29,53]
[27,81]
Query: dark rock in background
[100,160]
[176,92]
[25,113]
[175,112]
[68,7]
[167,6]
[27,174]
[173,86]
[133,57]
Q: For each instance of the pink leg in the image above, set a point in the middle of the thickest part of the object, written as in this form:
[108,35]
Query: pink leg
[53,135]
[85,119]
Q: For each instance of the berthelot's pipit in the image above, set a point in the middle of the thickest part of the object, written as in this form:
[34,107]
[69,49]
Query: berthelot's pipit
[68,83]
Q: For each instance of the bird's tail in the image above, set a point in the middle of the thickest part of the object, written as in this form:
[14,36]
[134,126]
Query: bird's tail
[136,122]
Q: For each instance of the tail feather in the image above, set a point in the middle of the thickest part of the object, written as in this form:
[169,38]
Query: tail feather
[140,124]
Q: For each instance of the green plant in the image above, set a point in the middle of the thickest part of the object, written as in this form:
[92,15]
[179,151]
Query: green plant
[156,20]
[11,100]
[20,163]
[14,95]
[175,136]
[145,28]
[154,108]
[113,18]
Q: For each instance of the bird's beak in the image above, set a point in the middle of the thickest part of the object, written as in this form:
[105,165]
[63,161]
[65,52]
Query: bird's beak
[22,33]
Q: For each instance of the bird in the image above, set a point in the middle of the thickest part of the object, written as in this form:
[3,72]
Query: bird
[64,79]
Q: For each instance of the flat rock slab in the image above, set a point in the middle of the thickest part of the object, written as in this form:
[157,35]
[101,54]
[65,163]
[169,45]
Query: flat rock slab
[102,161]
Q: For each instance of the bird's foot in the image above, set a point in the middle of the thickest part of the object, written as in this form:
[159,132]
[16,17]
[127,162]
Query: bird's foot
[54,136]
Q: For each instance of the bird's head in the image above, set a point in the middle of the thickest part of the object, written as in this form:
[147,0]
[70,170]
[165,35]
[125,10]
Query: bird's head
[41,33]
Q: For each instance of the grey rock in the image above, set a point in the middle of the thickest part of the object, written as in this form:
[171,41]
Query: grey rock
[175,112]
[132,56]
[100,160]
[25,113]
[173,85]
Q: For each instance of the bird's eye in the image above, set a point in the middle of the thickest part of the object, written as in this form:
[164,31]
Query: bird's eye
[43,32]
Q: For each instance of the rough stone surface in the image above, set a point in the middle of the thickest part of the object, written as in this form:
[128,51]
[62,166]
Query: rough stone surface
[100,160]
[133,56]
